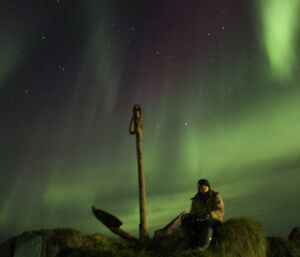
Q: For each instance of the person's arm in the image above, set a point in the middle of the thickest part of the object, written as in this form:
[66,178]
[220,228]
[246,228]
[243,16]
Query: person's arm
[218,211]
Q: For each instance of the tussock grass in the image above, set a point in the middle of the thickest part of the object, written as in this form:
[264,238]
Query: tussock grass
[277,247]
[234,238]
[240,238]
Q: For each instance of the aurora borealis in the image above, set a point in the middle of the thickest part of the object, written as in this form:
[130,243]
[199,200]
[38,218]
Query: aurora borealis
[280,28]
[218,82]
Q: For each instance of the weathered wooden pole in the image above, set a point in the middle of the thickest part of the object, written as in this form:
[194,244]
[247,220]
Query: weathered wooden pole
[135,128]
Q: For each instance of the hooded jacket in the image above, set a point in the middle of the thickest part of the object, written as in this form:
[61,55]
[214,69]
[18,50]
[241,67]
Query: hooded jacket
[208,204]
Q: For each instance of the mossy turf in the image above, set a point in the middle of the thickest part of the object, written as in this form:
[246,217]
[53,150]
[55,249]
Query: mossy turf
[233,238]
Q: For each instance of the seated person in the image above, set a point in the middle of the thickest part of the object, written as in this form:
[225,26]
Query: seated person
[207,210]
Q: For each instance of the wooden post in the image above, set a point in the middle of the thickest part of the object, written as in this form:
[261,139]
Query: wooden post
[136,128]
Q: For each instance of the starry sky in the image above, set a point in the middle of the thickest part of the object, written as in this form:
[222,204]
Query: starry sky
[218,82]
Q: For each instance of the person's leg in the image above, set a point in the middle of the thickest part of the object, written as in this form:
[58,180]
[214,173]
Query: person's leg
[207,231]
[187,230]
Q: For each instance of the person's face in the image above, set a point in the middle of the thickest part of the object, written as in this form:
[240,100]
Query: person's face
[203,188]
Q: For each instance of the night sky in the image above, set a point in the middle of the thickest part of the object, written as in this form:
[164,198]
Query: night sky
[218,82]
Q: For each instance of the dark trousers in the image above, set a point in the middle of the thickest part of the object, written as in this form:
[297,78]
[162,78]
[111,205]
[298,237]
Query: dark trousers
[197,232]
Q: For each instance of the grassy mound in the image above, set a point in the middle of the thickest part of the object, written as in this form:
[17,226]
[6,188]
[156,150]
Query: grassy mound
[277,247]
[234,238]
[240,238]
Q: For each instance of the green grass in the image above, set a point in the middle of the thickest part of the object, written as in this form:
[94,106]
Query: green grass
[234,238]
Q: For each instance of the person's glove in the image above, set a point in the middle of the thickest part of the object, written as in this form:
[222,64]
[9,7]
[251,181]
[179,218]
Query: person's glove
[207,217]
[203,218]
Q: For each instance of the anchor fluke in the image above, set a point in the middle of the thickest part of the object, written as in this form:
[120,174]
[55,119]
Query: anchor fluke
[106,218]
[112,223]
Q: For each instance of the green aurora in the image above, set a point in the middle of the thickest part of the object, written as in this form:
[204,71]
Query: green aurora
[280,31]
[232,118]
